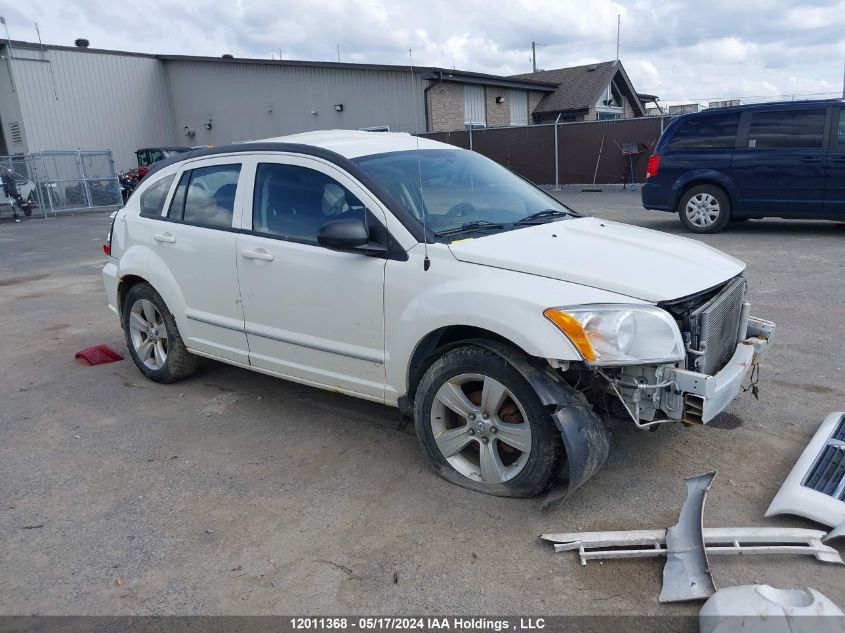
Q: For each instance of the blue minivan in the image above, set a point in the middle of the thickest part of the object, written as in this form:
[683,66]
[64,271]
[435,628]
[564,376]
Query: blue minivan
[783,160]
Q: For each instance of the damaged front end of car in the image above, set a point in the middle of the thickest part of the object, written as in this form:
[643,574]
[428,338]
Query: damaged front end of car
[703,349]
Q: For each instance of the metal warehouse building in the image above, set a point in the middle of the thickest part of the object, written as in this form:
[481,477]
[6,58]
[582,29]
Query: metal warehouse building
[58,97]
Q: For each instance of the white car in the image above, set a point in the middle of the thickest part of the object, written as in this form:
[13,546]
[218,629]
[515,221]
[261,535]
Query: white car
[429,278]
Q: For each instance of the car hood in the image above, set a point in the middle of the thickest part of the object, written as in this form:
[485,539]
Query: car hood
[620,258]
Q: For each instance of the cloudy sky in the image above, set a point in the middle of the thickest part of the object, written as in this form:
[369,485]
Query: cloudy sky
[678,49]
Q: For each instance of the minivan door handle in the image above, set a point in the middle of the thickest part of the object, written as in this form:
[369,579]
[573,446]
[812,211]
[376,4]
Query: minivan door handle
[811,159]
[258,253]
[164,237]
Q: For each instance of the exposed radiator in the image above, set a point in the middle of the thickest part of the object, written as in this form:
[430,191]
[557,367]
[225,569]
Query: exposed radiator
[714,328]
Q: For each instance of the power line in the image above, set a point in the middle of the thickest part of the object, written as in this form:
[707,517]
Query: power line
[685,40]
[722,97]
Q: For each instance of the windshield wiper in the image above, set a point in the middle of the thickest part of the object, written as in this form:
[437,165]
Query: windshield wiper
[540,215]
[466,227]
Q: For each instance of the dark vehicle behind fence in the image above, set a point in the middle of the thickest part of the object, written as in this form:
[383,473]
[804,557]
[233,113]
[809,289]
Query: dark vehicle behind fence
[784,160]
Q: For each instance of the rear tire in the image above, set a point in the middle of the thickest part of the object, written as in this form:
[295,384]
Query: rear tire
[152,337]
[483,427]
[705,209]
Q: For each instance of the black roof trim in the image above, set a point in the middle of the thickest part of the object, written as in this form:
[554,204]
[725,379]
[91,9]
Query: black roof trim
[413,226]
[426,72]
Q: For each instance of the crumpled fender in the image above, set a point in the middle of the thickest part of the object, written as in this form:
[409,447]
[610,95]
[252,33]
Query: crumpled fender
[585,437]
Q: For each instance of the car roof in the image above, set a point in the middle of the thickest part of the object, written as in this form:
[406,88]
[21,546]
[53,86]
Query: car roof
[776,105]
[355,143]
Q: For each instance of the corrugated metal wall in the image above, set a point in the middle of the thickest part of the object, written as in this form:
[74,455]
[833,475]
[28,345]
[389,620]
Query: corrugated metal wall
[92,100]
[530,151]
[253,101]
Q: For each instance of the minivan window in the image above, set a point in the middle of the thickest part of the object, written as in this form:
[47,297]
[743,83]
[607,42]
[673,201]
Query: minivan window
[152,200]
[840,130]
[715,131]
[785,129]
[294,202]
[206,196]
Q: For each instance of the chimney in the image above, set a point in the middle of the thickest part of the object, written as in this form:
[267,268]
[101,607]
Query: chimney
[81,42]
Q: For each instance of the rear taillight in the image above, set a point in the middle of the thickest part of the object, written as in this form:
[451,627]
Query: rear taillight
[107,243]
[653,165]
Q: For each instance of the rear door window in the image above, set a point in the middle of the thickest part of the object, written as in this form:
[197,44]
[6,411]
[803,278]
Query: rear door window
[787,129]
[152,200]
[716,131]
[206,196]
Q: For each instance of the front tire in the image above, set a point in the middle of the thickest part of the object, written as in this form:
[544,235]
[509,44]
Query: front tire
[483,427]
[152,337]
[705,209]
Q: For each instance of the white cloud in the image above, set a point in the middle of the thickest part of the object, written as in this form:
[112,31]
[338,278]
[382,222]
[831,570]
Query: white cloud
[676,49]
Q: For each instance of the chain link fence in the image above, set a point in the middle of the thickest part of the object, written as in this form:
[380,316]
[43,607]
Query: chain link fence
[53,182]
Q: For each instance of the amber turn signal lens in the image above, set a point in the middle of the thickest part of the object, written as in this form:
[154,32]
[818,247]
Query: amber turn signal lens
[570,326]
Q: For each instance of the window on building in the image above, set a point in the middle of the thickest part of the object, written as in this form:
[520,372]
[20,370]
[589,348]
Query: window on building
[519,107]
[475,111]
[716,131]
[607,116]
[610,103]
[152,200]
[293,202]
[206,196]
[783,129]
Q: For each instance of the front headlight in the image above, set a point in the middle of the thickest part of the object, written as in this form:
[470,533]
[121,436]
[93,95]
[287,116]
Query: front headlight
[620,334]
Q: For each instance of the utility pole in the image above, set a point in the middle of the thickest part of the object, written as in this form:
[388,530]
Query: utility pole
[338,53]
[534,55]
[843,83]
[618,33]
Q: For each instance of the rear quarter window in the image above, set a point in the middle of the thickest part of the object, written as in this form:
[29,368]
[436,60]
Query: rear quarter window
[152,199]
[716,131]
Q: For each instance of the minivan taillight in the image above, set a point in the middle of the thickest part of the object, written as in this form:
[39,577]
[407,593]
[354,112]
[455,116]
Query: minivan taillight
[653,165]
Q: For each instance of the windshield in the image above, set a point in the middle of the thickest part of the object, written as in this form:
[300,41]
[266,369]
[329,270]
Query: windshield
[458,189]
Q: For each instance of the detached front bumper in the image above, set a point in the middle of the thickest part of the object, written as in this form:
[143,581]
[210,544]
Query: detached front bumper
[703,396]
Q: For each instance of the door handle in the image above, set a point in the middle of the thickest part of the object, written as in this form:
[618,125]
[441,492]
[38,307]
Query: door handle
[811,159]
[837,159]
[258,253]
[164,237]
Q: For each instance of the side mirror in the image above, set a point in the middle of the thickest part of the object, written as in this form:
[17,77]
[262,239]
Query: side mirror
[349,234]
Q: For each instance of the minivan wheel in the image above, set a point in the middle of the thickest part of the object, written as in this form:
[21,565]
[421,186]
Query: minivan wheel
[705,209]
[153,338]
[482,426]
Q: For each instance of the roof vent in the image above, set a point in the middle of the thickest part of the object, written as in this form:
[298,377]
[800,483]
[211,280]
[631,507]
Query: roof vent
[81,42]
[227,56]
[592,69]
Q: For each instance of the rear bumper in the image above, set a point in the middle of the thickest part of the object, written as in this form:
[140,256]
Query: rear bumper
[704,397]
[658,196]
[110,282]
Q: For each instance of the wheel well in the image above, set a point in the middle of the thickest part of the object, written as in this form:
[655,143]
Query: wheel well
[123,288]
[435,343]
[696,183]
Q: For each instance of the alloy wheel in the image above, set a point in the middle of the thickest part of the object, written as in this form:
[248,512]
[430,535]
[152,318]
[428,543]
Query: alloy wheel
[148,334]
[481,428]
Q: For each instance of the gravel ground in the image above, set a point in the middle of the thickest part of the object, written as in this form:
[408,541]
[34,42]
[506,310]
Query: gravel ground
[236,493]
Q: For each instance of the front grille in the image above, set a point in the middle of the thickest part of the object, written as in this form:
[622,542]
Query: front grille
[714,328]
[828,473]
